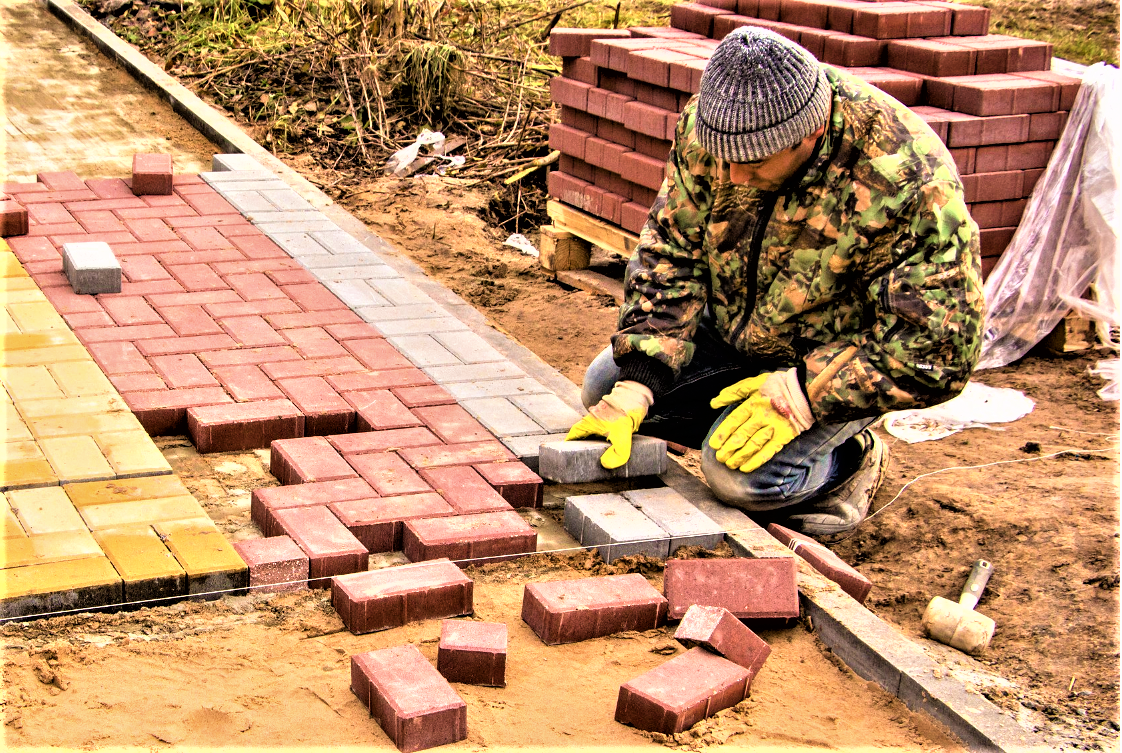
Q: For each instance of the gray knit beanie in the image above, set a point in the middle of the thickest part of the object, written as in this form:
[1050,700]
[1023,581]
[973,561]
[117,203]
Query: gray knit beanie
[760,94]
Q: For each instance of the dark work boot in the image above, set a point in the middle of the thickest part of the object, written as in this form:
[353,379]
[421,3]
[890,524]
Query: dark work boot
[844,507]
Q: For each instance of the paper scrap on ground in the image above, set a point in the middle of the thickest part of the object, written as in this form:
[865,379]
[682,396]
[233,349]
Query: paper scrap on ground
[977,407]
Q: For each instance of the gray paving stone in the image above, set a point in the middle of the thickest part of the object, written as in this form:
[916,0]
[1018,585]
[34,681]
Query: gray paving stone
[275,216]
[501,417]
[236,162]
[308,226]
[612,525]
[525,448]
[553,413]
[701,496]
[326,269]
[342,242]
[242,176]
[496,388]
[326,262]
[423,350]
[226,186]
[356,293]
[474,372]
[91,268]
[287,200]
[578,462]
[300,245]
[392,327]
[395,313]
[686,525]
[401,292]
[247,201]
[469,347]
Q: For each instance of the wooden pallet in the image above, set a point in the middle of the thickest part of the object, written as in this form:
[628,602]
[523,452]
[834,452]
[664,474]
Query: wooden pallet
[566,248]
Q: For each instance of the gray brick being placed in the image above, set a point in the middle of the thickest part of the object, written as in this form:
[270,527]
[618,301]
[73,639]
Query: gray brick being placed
[469,347]
[496,388]
[474,372]
[578,462]
[392,327]
[553,413]
[401,292]
[614,526]
[423,350]
[501,417]
[673,513]
[356,293]
[526,448]
[91,268]
[235,162]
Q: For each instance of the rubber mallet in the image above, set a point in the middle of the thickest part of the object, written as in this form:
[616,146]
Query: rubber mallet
[958,625]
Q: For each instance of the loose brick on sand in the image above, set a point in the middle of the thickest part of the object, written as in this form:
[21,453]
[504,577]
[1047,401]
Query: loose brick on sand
[469,539]
[761,588]
[275,564]
[413,703]
[680,693]
[393,596]
[718,630]
[824,561]
[473,652]
[568,611]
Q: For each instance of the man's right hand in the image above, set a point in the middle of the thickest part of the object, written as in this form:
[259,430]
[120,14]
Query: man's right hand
[616,418]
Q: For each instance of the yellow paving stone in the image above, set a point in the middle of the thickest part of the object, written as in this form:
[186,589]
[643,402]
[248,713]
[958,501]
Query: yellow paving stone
[19,285]
[10,266]
[126,490]
[7,323]
[37,316]
[30,383]
[47,547]
[32,356]
[132,453]
[75,584]
[148,568]
[82,378]
[76,459]
[21,450]
[71,406]
[9,523]
[212,565]
[90,423]
[35,340]
[12,426]
[45,510]
[24,474]
[119,514]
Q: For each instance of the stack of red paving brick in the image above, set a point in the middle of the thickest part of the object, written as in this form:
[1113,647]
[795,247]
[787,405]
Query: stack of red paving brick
[991,98]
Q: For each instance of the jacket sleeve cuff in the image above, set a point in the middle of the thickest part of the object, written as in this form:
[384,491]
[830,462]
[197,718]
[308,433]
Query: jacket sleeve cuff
[650,372]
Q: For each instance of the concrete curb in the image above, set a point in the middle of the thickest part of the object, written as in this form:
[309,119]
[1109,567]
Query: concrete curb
[868,645]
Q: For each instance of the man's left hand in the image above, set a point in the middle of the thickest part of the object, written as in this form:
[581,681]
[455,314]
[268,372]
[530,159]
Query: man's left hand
[772,412]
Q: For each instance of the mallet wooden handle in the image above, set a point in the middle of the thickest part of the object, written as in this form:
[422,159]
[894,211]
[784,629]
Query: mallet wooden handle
[975,584]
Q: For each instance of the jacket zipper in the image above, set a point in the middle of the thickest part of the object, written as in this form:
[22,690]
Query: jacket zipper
[767,205]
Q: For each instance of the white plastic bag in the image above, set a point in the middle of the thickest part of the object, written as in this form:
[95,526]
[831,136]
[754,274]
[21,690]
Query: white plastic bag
[522,243]
[1070,235]
[397,164]
[977,406]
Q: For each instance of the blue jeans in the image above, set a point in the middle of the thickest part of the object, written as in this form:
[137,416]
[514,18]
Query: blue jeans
[812,464]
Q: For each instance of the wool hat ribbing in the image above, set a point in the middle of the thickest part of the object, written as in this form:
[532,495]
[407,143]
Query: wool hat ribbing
[760,94]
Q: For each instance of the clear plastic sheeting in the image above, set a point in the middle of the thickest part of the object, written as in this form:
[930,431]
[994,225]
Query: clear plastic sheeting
[977,406]
[1069,238]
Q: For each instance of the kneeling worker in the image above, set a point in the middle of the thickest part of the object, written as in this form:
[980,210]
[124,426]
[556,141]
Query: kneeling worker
[809,264]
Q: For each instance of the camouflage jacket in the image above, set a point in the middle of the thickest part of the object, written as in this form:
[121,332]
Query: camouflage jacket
[863,271]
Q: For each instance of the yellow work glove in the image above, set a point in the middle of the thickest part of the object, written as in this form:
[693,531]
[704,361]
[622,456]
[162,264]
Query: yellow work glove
[616,417]
[772,412]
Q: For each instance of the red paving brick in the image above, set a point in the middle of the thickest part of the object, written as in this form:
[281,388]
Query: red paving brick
[824,561]
[248,356]
[250,308]
[129,310]
[676,695]
[276,564]
[119,358]
[164,412]
[251,331]
[379,380]
[377,353]
[473,652]
[469,539]
[413,703]
[749,588]
[352,331]
[313,296]
[394,596]
[312,367]
[137,382]
[388,474]
[378,522]
[517,484]
[568,611]
[243,426]
[255,286]
[166,346]
[430,394]
[389,440]
[313,342]
[331,548]
[464,489]
[379,410]
[452,423]
[468,453]
[325,412]
[718,630]
[264,500]
[314,318]
[184,370]
[299,461]
[134,333]
[246,382]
